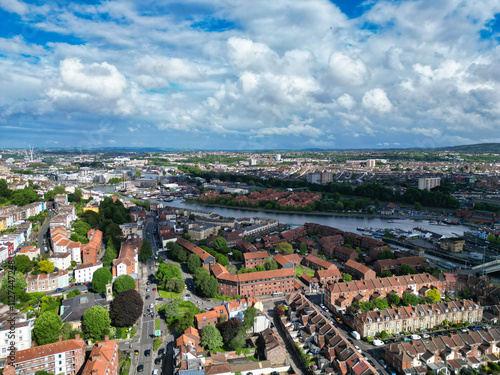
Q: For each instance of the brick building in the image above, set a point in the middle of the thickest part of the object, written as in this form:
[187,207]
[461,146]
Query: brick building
[254,284]
[62,357]
[317,263]
[128,260]
[103,359]
[359,270]
[207,260]
[255,259]
[394,265]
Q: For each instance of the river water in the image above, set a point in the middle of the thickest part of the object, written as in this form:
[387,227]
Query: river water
[342,222]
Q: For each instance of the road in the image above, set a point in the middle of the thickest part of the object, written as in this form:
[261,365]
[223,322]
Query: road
[42,234]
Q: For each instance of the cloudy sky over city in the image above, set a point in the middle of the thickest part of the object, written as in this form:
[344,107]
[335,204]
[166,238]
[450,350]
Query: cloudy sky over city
[239,75]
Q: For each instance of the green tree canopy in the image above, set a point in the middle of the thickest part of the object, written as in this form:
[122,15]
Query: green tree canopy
[302,248]
[47,328]
[270,264]
[96,322]
[211,338]
[171,310]
[410,299]
[19,284]
[167,271]
[22,197]
[92,218]
[46,266]
[249,317]
[434,295]
[184,321]
[206,284]
[385,254]
[220,244]
[175,285]
[406,270]
[123,283]
[222,259]
[109,255]
[284,247]
[52,193]
[394,299]
[100,278]
[193,263]
[346,277]
[145,253]
[22,262]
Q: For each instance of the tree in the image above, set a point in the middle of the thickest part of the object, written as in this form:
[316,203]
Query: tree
[384,335]
[434,295]
[380,303]
[222,259]
[385,254]
[302,248]
[100,278]
[284,247]
[394,299]
[175,285]
[46,266]
[193,263]
[237,255]
[249,317]
[22,263]
[231,268]
[418,206]
[386,273]
[219,244]
[207,285]
[47,327]
[19,284]
[123,283]
[96,322]
[406,270]
[50,195]
[24,196]
[109,255]
[229,329]
[184,321]
[167,271]
[145,253]
[171,310]
[271,264]
[92,218]
[126,308]
[346,277]
[211,338]
[410,299]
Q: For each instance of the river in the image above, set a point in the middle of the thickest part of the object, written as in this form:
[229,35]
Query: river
[344,223]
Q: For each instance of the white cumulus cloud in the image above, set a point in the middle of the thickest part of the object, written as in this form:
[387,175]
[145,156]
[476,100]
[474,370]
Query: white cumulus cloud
[377,100]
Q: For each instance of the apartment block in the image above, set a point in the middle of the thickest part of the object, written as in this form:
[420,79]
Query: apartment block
[84,272]
[254,284]
[359,270]
[427,183]
[22,337]
[255,259]
[207,260]
[394,265]
[62,358]
[103,359]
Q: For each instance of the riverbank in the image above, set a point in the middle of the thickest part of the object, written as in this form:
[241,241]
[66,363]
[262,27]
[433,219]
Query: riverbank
[292,212]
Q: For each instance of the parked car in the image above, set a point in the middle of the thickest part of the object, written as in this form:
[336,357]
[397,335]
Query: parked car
[161,352]
[147,296]
[426,335]
[464,330]
[391,371]
[154,289]
[136,352]
[140,368]
[406,339]
[147,352]
[377,343]
[157,361]
[415,337]
[155,371]
[357,348]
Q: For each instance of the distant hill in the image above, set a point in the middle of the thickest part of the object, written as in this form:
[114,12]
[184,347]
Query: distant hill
[476,148]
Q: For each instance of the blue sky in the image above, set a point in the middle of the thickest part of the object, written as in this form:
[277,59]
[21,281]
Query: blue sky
[233,74]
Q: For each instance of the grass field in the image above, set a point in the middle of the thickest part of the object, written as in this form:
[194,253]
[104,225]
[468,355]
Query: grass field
[300,270]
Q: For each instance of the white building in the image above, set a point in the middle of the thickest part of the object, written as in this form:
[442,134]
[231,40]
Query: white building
[428,183]
[85,272]
[62,261]
[22,336]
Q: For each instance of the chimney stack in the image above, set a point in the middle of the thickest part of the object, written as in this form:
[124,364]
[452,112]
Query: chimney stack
[60,338]
[106,337]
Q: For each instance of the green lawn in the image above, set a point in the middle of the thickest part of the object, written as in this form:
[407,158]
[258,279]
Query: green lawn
[165,294]
[299,270]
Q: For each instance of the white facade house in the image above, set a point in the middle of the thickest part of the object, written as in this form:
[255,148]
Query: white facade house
[85,272]
[22,337]
[62,261]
